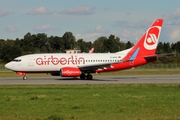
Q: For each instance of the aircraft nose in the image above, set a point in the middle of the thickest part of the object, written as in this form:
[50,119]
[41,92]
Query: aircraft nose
[8,65]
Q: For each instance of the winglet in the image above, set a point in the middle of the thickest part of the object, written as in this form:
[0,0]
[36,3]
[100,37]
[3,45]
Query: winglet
[92,50]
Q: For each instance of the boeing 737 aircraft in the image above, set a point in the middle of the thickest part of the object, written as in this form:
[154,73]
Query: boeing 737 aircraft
[83,64]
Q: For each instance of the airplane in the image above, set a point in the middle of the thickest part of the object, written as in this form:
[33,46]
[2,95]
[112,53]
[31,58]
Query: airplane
[83,64]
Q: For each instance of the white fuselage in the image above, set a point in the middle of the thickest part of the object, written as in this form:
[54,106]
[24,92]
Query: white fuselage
[55,61]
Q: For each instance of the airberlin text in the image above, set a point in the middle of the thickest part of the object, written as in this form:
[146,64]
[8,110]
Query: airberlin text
[52,60]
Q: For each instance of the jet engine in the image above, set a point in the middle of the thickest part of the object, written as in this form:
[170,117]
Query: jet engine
[70,72]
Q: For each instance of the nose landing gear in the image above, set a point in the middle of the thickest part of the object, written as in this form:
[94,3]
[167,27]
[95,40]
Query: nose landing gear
[24,78]
[23,74]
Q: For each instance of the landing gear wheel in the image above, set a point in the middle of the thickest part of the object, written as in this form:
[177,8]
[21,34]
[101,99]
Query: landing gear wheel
[83,76]
[24,78]
[89,77]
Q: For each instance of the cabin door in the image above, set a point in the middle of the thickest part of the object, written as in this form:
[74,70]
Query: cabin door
[30,61]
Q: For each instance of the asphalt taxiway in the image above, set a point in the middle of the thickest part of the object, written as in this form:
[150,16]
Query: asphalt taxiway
[134,79]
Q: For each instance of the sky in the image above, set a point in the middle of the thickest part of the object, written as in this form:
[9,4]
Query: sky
[89,19]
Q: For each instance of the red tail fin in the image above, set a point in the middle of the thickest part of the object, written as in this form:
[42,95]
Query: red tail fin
[148,43]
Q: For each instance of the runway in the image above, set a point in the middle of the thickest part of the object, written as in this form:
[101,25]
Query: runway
[135,79]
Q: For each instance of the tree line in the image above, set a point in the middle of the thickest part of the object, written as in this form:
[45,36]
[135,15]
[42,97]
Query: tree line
[40,43]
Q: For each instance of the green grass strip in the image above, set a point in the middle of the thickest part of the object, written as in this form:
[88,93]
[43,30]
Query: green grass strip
[90,102]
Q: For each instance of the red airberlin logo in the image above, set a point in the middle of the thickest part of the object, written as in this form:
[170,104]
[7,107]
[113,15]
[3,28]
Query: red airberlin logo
[52,60]
[151,38]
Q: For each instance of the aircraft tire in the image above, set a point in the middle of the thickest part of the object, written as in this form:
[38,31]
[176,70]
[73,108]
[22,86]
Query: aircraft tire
[89,77]
[83,76]
[24,78]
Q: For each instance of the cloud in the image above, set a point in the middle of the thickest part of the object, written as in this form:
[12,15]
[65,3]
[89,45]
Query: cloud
[93,34]
[11,28]
[123,24]
[42,28]
[88,36]
[79,11]
[133,30]
[127,24]
[132,36]
[176,14]
[172,26]
[175,34]
[172,18]
[4,12]
[39,11]
[99,31]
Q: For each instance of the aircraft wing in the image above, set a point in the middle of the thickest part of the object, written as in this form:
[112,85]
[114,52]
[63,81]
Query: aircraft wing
[94,67]
[100,66]
[151,57]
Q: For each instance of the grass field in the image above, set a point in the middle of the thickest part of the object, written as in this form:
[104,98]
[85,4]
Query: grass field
[90,102]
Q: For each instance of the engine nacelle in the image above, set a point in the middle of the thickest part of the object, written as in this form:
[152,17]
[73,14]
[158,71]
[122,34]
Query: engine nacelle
[70,72]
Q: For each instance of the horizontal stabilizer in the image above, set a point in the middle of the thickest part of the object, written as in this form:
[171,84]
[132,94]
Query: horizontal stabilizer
[158,55]
[166,54]
[150,58]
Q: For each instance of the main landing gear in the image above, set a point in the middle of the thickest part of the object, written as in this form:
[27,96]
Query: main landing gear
[88,76]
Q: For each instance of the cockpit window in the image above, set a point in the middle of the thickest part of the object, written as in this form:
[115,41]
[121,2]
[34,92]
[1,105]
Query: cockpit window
[17,60]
